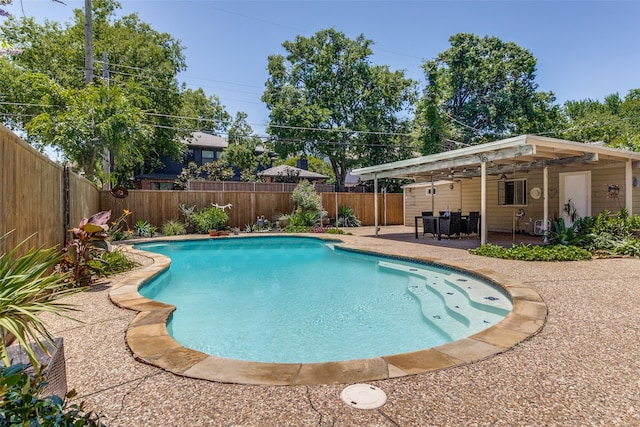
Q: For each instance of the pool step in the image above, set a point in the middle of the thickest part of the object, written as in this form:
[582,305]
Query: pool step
[450,302]
[483,298]
[434,311]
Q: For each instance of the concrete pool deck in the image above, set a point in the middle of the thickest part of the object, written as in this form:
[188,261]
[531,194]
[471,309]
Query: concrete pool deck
[580,369]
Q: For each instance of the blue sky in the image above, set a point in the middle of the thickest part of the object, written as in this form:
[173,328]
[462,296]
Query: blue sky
[584,49]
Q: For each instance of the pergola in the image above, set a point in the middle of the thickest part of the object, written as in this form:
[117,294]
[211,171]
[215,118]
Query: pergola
[521,153]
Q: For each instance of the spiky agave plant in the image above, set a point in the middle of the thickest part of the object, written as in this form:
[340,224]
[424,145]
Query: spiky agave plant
[29,287]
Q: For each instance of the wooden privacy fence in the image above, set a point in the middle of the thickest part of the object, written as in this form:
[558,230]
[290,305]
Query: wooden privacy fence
[158,206]
[38,195]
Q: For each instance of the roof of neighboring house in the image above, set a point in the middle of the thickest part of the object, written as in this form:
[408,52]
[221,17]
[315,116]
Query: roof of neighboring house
[201,139]
[351,180]
[524,152]
[285,170]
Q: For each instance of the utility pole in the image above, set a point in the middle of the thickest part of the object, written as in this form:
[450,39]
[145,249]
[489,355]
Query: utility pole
[106,162]
[88,45]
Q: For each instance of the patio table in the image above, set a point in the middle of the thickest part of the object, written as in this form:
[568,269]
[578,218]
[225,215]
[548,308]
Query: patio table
[437,223]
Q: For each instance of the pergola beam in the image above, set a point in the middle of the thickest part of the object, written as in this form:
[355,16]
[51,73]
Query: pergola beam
[456,163]
[507,168]
[520,167]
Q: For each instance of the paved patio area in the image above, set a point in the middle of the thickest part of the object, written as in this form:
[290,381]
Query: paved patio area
[581,369]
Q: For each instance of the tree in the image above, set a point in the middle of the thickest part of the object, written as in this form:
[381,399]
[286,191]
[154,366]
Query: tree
[326,99]
[244,147]
[483,89]
[86,122]
[616,121]
[203,113]
[430,123]
[142,68]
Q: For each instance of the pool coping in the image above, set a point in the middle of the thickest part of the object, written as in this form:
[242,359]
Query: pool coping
[149,340]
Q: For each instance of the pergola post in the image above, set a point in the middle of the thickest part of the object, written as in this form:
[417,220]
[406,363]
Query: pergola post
[483,202]
[545,201]
[375,202]
[628,186]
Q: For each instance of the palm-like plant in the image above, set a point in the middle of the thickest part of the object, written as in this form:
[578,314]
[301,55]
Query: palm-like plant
[347,217]
[29,287]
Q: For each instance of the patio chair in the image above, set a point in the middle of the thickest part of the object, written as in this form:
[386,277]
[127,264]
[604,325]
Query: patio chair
[427,213]
[470,225]
[450,226]
[429,224]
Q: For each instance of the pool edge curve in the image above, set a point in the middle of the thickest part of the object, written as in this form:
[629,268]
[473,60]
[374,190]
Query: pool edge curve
[149,340]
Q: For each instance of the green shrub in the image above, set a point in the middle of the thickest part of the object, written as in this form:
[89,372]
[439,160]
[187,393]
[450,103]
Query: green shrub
[28,289]
[173,228]
[297,228]
[187,212]
[305,197]
[119,229]
[334,231]
[606,244]
[347,217]
[114,262]
[634,222]
[209,218]
[308,205]
[617,225]
[88,241]
[560,234]
[612,235]
[144,229]
[21,404]
[525,252]
[303,219]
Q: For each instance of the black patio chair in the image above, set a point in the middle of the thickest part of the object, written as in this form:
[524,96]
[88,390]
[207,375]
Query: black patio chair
[470,226]
[429,224]
[450,226]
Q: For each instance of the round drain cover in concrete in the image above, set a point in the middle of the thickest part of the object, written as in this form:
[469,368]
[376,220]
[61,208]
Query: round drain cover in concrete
[363,396]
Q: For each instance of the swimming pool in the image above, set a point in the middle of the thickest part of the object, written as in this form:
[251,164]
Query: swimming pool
[282,299]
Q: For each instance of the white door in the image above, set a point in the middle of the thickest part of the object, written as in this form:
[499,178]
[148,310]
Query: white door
[575,195]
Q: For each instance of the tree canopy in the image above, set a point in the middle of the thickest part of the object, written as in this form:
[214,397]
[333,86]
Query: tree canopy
[137,113]
[246,151]
[326,99]
[481,89]
[616,121]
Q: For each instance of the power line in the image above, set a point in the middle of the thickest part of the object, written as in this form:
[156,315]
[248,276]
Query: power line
[598,123]
[214,120]
[340,130]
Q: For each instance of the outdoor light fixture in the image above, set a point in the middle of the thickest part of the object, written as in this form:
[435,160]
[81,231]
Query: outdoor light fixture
[503,177]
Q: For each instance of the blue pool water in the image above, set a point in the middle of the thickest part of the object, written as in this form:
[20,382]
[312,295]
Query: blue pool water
[302,300]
